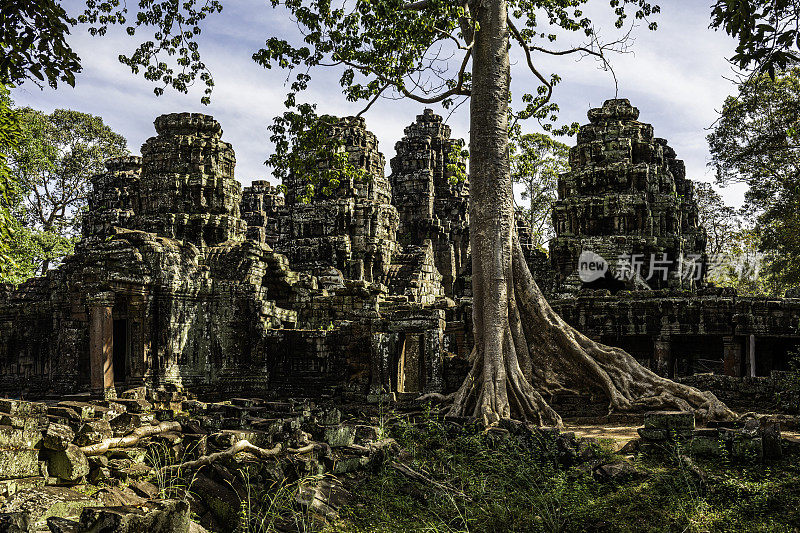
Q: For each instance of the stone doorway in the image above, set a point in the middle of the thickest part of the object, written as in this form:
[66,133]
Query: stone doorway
[120,349]
[410,368]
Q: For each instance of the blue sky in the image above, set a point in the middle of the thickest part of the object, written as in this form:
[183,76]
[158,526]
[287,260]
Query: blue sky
[675,76]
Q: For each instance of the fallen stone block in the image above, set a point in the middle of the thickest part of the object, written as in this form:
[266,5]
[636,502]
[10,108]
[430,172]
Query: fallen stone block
[69,464]
[42,503]
[9,487]
[616,471]
[706,442]
[92,432]
[747,450]
[669,420]
[135,405]
[58,437]
[228,437]
[339,436]
[64,413]
[323,497]
[221,500]
[18,463]
[22,408]
[162,516]
[12,437]
[123,424]
[84,410]
[14,523]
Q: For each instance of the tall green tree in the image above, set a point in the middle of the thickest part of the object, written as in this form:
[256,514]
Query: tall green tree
[720,221]
[523,350]
[536,161]
[10,134]
[756,141]
[51,167]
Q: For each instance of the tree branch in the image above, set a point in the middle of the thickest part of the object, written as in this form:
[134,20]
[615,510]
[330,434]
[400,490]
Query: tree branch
[374,99]
[457,90]
[417,6]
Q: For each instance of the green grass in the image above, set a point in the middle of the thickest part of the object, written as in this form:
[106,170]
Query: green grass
[498,485]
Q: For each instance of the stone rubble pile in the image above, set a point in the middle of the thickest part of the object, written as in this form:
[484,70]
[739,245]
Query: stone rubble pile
[112,465]
[749,440]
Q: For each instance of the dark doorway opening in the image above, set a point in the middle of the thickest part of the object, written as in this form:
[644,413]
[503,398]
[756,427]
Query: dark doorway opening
[120,350]
[774,353]
[409,369]
[697,354]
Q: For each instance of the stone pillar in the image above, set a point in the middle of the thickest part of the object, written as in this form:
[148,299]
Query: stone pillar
[434,378]
[380,379]
[732,348]
[662,357]
[101,345]
[138,363]
[751,355]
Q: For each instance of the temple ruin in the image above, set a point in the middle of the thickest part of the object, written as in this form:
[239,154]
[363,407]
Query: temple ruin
[184,278]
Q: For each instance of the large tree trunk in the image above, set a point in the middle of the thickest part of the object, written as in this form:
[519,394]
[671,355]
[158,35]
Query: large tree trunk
[523,349]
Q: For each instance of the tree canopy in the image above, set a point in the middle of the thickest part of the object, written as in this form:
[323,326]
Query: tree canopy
[56,156]
[756,141]
[33,43]
[768,33]
[536,161]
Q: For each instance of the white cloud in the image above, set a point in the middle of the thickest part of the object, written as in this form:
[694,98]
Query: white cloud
[675,77]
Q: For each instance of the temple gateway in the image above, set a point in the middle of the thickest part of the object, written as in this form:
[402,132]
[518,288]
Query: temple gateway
[182,277]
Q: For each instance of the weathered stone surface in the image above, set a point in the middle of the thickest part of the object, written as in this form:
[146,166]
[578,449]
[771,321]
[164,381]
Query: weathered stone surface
[323,497]
[93,432]
[58,437]
[706,442]
[24,438]
[45,502]
[69,464]
[339,436]
[669,420]
[616,471]
[160,516]
[221,500]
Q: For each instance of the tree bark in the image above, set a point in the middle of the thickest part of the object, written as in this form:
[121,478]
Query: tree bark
[523,349]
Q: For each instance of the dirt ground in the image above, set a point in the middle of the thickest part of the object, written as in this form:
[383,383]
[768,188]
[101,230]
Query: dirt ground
[621,434]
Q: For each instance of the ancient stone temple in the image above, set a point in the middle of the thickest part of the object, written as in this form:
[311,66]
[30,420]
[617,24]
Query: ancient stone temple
[627,199]
[184,278]
[180,278]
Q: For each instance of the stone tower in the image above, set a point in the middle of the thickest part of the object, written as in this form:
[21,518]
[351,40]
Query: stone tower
[188,191]
[114,198]
[263,207]
[432,205]
[627,199]
[354,228]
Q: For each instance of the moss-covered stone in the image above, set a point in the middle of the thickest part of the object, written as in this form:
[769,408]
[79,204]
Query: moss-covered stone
[339,436]
[18,463]
[58,437]
[669,420]
[69,464]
